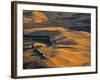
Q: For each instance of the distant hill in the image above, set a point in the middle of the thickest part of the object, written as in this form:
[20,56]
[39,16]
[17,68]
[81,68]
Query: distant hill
[75,21]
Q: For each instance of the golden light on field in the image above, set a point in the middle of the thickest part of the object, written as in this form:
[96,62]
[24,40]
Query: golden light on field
[71,55]
[76,55]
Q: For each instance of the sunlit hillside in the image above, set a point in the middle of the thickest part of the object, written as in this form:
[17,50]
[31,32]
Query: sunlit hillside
[40,29]
[68,54]
[39,17]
